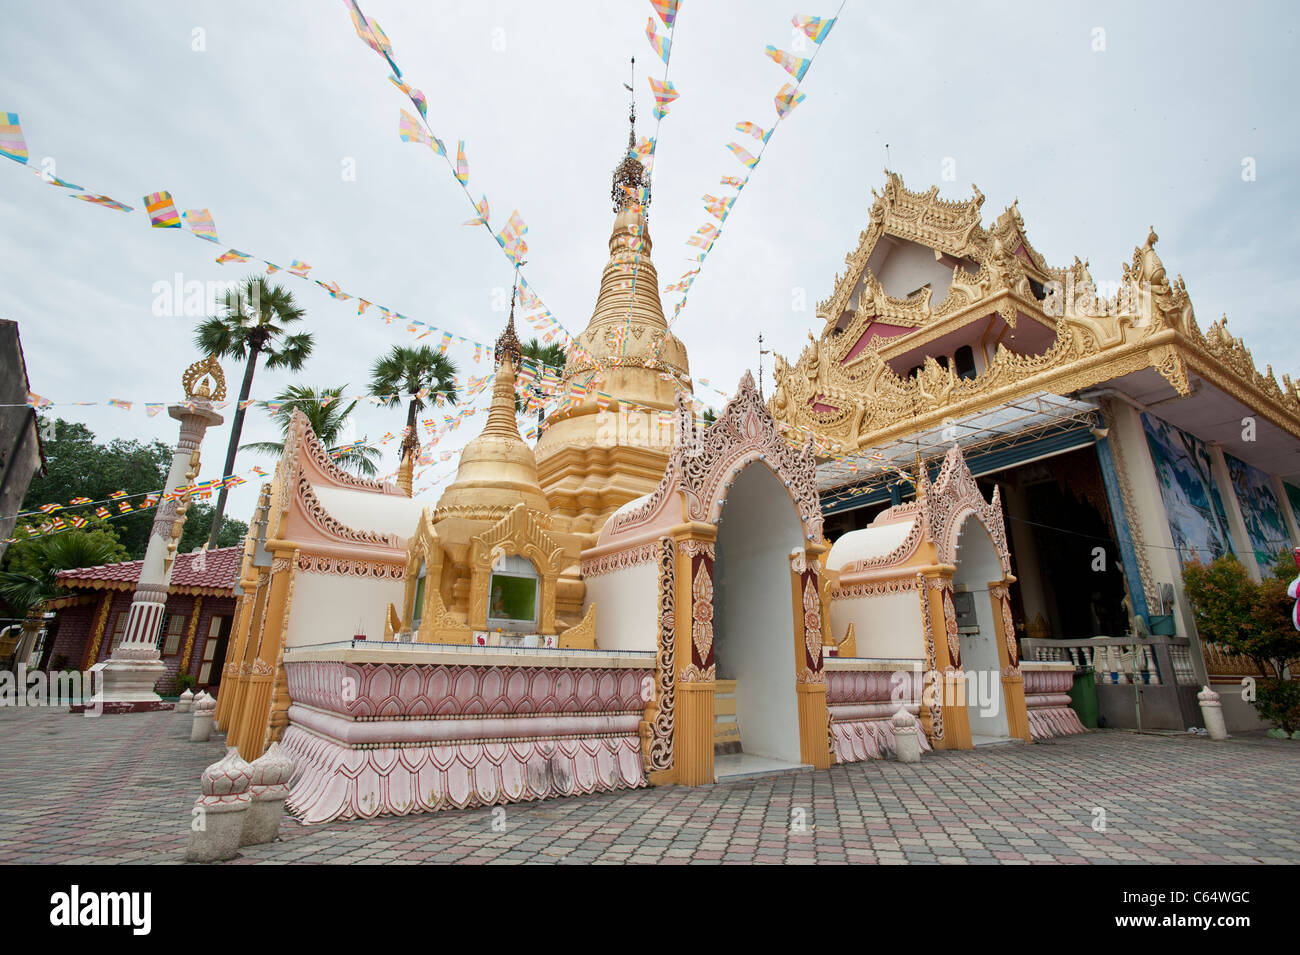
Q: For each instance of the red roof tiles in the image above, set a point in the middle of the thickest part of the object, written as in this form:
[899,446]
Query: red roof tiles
[220,572]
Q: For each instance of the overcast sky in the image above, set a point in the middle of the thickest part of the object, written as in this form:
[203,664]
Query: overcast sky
[260,125]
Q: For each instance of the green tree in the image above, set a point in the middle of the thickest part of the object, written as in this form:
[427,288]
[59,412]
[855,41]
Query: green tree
[255,324]
[551,355]
[78,466]
[1254,620]
[405,372]
[327,418]
[32,566]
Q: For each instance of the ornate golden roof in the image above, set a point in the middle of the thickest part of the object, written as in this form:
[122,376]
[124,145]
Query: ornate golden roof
[1149,323]
[951,228]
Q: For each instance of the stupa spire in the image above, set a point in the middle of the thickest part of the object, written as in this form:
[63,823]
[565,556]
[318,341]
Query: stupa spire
[497,468]
[631,185]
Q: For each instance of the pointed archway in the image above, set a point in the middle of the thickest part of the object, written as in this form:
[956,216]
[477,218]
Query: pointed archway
[739,472]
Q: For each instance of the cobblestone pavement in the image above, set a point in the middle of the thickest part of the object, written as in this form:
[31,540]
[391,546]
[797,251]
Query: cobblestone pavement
[119,789]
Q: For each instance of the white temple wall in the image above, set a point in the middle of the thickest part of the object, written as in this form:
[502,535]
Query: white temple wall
[886,627]
[331,607]
[627,607]
[909,266]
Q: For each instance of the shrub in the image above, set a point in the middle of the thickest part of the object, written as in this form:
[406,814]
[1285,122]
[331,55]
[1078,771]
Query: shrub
[1253,620]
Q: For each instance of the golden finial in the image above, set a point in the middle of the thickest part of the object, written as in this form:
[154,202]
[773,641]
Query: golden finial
[196,383]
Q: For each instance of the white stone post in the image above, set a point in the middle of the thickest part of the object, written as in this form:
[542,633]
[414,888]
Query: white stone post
[218,818]
[135,666]
[1212,713]
[185,702]
[269,790]
[907,745]
[205,708]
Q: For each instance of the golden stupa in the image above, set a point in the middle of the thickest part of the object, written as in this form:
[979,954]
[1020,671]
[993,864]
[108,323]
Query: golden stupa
[592,461]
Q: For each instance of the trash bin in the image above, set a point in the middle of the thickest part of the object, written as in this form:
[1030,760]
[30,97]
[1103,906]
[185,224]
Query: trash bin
[1083,696]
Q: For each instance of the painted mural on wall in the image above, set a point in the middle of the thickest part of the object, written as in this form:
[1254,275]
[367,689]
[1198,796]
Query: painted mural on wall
[1197,519]
[1293,495]
[1259,509]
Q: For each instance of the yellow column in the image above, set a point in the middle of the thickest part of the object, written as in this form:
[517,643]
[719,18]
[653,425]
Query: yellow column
[810,684]
[247,653]
[693,720]
[949,682]
[1013,681]
[97,635]
[189,637]
[251,734]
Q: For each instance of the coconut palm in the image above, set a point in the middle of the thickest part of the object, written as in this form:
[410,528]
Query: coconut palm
[549,355]
[328,416]
[254,324]
[406,373]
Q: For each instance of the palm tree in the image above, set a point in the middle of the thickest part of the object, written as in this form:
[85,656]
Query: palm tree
[405,372]
[256,314]
[327,416]
[552,355]
[41,559]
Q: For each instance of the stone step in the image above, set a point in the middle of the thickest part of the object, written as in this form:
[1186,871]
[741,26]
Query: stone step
[726,731]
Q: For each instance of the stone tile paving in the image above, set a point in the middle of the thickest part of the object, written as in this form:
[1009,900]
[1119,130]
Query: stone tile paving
[119,789]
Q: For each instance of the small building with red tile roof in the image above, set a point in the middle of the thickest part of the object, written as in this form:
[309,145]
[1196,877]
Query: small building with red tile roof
[90,618]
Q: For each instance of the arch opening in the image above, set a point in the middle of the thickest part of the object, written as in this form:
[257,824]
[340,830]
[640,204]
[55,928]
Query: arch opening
[754,642]
[978,566]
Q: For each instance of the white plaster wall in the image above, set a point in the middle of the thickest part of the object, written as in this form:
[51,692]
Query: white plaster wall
[627,607]
[755,629]
[887,626]
[867,543]
[330,607]
[370,511]
[909,266]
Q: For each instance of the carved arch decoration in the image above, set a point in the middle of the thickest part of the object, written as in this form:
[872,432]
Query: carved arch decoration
[519,533]
[705,460]
[951,499]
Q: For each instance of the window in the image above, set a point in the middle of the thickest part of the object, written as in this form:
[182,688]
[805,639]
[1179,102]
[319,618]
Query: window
[119,629]
[418,610]
[965,362]
[512,595]
[210,649]
[173,633]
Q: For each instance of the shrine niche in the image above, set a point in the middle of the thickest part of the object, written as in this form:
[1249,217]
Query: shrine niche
[928,581]
[424,617]
[518,534]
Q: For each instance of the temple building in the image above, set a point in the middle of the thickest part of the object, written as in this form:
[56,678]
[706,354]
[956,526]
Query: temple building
[644,598]
[90,618]
[1123,440]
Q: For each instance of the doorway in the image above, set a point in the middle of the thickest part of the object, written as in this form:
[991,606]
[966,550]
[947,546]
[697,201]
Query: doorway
[753,621]
[978,641]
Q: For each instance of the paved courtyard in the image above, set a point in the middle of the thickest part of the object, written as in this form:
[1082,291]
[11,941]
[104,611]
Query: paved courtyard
[119,790]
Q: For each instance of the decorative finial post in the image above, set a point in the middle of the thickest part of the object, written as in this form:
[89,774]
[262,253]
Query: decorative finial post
[630,174]
[508,342]
[135,666]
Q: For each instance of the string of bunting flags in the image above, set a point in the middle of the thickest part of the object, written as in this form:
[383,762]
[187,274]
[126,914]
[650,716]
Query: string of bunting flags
[410,129]
[787,98]
[161,209]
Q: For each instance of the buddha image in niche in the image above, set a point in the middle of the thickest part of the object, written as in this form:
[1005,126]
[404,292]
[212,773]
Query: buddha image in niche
[498,603]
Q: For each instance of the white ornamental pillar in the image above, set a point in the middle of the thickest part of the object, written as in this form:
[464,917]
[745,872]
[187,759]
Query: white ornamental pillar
[135,666]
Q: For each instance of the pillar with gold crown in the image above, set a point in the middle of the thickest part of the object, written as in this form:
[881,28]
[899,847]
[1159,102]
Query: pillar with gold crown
[129,676]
